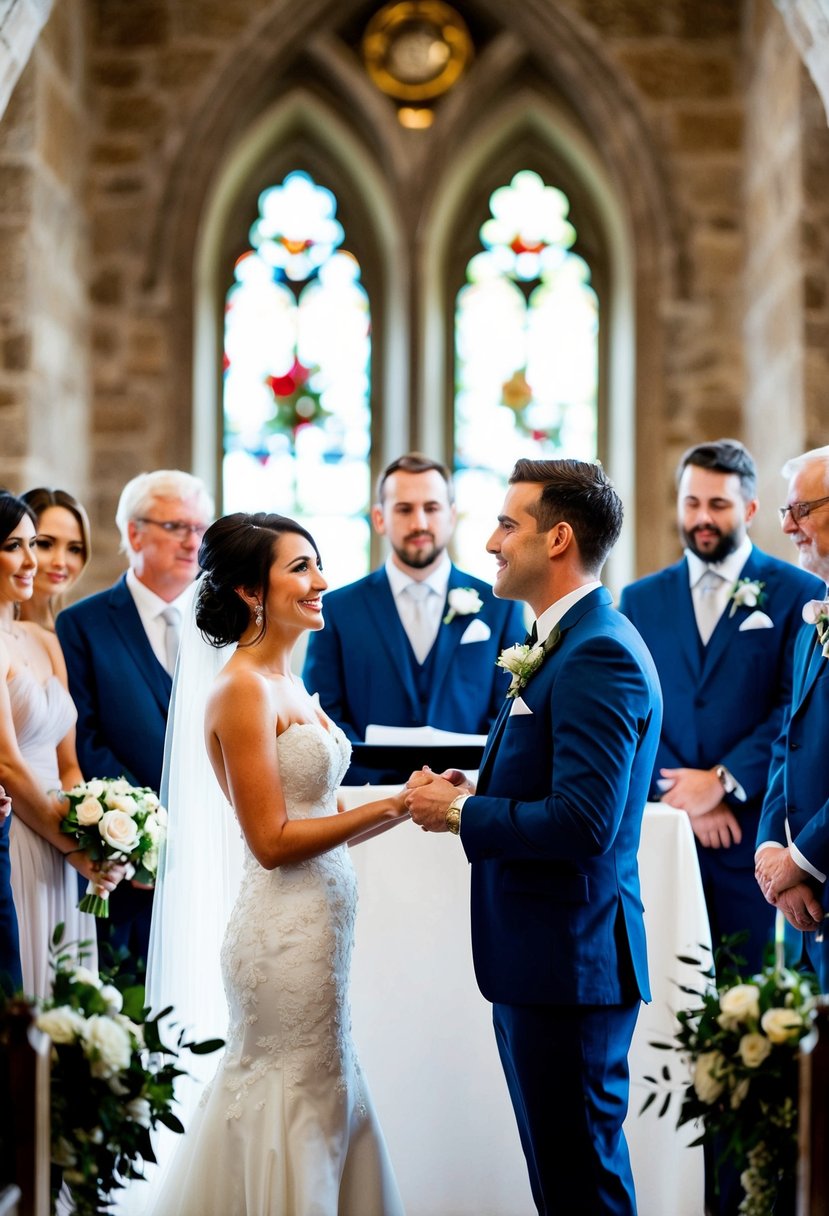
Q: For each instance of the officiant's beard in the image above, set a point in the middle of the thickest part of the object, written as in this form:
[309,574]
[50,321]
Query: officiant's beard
[727,543]
[418,558]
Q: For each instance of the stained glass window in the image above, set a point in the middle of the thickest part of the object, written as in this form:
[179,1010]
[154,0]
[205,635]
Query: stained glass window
[526,354]
[297,351]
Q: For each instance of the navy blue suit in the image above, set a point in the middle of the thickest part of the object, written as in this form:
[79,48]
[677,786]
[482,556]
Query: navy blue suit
[122,693]
[365,671]
[798,790]
[9,940]
[724,704]
[558,934]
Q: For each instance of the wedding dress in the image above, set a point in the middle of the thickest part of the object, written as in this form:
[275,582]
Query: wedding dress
[45,887]
[287,1126]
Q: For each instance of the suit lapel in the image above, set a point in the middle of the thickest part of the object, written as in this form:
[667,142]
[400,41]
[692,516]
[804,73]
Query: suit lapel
[379,606]
[127,624]
[811,671]
[492,742]
[680,603]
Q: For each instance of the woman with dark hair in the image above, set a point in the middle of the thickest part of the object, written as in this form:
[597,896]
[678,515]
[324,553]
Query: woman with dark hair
[287,1126]
[37,757]
[63,550]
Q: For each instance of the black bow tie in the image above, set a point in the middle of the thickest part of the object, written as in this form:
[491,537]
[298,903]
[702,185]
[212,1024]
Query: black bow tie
[532,636]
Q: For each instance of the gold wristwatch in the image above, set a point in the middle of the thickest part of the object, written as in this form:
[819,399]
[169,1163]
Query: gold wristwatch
[453,813]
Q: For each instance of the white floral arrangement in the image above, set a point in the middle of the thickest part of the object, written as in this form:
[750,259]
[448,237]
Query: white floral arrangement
[462,601]
[816,613]
[523,660]
[112,1079]
[115,822]
[746,593]
[739,1053]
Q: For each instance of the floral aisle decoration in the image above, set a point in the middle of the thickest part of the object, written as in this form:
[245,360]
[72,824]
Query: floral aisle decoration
[739,1054]
[112,1079]
[115,822]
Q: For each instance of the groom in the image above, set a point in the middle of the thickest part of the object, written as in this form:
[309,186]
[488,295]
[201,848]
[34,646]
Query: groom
[552,832]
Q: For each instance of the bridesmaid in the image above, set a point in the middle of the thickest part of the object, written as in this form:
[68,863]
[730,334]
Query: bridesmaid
[63,551]
[37,757]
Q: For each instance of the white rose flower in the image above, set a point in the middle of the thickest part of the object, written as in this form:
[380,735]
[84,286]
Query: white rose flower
[120,786]
[121,802]
[107,1046]
[150,801]
[131,1028]
[708,1072]
[462,601]
[83,975]
[161,815]
[152,827]
[739,1004]
[119,831]
[96,1135]
[63,1025]
[139,1110]
[89,811]
[95,787]
[150,861]
[781,1025]
[753,1049]
[113,998]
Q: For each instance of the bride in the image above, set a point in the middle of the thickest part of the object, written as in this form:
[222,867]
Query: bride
[287,1126]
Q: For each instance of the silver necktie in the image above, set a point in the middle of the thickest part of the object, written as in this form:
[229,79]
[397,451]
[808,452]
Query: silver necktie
[707,606]
[421,631]
[172,636]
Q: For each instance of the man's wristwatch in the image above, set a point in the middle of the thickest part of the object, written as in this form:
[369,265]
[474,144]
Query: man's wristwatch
[453,813]
[725,779]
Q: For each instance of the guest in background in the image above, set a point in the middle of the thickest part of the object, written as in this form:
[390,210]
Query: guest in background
[63,550]
[37,758]
[120,647]
[414,643]
[793,839]
[721,625]
[11,977]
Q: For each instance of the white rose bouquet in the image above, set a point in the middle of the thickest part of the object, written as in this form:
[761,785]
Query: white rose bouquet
[113,821]
[112,1079]
[739,1051]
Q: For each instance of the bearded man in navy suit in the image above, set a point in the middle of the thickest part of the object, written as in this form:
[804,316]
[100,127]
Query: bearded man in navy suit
[414,643]
[792,861]
[552,832]
[120,654]
[721,625]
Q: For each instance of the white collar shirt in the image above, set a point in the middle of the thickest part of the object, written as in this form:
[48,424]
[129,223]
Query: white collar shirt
[151,609]
[433,604]
[729,570]
[551,616]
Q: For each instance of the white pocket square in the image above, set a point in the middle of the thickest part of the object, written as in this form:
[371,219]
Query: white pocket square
[757,620]
[476,631]
[519,706]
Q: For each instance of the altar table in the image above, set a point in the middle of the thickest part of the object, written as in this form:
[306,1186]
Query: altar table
[424,1032]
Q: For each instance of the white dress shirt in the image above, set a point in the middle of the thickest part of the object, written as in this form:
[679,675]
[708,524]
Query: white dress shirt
[151,608]
[432,607]
[551,616]
[729,570]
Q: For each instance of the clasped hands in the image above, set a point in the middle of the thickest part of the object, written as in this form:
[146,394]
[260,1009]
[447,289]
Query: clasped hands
[699,792]
[429,795]
[786,886]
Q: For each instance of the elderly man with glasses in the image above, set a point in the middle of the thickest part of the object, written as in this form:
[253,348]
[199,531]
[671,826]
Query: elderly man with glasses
[120,647]
[792,860]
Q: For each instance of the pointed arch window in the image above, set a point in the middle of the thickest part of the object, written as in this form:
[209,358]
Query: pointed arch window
[526,353]
[297,354]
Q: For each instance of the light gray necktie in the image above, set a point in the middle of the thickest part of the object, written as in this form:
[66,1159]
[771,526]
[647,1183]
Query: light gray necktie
[421,631]
[172,636]
[707,606]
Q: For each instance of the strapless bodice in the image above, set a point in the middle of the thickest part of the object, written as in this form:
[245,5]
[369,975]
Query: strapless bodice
[42,714]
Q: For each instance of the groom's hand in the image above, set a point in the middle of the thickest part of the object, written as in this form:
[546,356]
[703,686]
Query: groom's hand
[429,801]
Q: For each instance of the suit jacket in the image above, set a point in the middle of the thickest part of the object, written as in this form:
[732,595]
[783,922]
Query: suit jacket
[362,666]
[798,790]
[121,690]
[724,702]
[553,831]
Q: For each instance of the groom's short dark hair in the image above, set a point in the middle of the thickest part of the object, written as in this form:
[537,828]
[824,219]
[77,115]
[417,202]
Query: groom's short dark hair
[580,493]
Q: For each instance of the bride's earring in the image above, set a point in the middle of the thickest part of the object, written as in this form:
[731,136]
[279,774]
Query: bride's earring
[258,616]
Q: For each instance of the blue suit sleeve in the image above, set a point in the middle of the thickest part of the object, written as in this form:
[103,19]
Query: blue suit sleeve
[95,757]
[324,672]
[602,706]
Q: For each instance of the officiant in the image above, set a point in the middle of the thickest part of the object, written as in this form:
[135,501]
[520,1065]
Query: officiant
[415,642]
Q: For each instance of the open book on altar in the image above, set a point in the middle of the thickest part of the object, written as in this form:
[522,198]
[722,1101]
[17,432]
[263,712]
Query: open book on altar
[410,747]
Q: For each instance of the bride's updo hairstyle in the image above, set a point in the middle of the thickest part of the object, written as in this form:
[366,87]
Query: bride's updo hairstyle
[12,511]
[238,551]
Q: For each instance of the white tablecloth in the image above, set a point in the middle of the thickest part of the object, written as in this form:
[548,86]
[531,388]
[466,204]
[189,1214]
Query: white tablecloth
[424,1032]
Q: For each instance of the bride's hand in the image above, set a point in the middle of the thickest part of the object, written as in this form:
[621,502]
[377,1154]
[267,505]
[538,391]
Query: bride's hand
[399,800]
[421,776]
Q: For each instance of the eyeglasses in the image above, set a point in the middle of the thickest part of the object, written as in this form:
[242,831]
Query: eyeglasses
[800,510]
[176,527]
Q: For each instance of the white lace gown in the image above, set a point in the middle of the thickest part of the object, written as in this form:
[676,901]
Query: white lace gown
[287,1126]
[44,886]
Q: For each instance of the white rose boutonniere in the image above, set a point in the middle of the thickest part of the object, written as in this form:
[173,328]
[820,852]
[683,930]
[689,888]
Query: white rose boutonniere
[816,613]
[522,661]
[463,601]
[746,593]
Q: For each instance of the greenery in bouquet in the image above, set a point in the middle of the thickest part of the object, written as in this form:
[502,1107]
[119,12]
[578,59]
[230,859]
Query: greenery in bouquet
[112,1079]
[739,1054]
[115,822]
